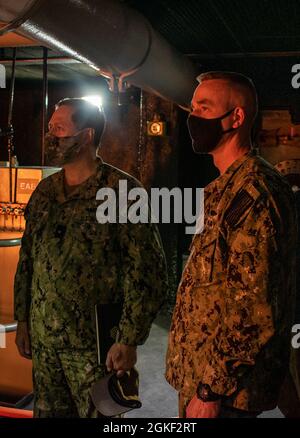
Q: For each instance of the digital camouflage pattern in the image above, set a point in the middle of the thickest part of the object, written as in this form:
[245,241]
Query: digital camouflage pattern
[63,379]
[231,326]
[69,262]
[62,382]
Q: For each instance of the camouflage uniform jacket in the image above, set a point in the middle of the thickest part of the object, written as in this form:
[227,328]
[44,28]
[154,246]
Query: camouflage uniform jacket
[68,262]
[231,326]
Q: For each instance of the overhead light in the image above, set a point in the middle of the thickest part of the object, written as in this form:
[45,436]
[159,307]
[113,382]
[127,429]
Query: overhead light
[95,100]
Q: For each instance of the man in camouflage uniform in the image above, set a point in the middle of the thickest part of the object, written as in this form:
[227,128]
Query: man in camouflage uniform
[69,262]
[229,341]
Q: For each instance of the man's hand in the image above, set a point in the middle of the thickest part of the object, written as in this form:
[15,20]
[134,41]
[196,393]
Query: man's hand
[121,358]
[199,409]
[23,340]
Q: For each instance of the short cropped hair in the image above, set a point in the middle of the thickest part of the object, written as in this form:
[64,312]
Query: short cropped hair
[86,115]
[239,81]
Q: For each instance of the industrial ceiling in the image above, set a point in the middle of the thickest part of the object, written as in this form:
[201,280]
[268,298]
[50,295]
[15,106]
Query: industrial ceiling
[202,29]
[212,27]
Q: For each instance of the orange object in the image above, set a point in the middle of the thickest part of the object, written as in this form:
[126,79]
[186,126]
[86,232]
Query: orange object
[15,413]
[15,376]
[15,371]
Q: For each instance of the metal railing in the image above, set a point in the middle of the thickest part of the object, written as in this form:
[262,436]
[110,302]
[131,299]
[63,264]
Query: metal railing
[10,327]
[5,243]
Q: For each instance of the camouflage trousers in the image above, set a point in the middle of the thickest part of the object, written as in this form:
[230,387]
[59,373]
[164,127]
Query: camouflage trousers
[62,379]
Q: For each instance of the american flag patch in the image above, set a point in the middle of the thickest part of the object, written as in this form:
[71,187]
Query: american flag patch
[241,202]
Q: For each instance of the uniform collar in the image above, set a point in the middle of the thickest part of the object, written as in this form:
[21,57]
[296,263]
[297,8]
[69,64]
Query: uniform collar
[221,182]
[86,190]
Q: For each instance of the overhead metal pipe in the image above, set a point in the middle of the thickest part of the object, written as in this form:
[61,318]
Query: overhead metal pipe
[10,143]
[12,87]
[45,101]
[109,36]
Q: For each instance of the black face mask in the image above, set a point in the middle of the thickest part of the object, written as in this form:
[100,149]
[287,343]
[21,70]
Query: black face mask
[206,133]
[62,150]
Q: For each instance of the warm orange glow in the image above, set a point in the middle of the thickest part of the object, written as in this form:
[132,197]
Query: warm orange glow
[15,413]
[12,39]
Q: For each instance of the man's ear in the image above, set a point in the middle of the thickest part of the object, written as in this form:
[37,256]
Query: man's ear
[238,117]
[89,135]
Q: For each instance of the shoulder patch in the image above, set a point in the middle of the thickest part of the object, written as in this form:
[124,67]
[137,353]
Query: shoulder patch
[240,204]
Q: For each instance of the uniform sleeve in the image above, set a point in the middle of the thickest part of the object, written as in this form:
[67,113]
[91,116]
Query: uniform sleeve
[22,283]
[144,280]
[256,305]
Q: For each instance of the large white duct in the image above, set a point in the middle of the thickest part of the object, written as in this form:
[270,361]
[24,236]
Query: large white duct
[109,36]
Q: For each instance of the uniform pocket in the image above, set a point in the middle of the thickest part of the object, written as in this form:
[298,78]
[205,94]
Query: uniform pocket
[203,260]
